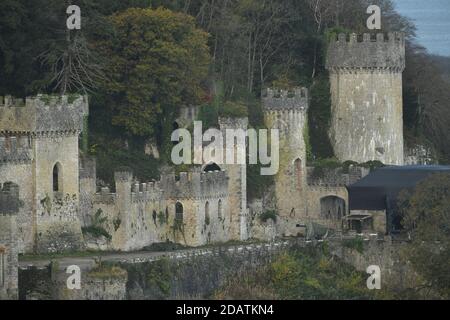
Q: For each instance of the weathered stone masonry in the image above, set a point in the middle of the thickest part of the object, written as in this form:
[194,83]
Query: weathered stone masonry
[301,198]
[9,207]
[366,97]
[287,111]
[39,152]
[192,209]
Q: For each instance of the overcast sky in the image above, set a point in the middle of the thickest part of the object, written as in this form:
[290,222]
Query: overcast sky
[432,19]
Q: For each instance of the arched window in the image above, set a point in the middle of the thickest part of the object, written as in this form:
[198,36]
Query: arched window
[179,212]
[207,217]
[57,177]
[211,167]
[167,214]
[219,209]
[298,173]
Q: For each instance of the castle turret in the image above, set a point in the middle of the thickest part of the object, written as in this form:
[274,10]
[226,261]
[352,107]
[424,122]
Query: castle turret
[286,110]
[123,181]
[366,97]
[39,147]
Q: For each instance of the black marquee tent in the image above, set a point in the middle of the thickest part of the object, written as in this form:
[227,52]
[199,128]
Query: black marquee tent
[379,190]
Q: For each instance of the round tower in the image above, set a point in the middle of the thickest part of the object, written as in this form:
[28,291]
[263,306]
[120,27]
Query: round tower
[286,111]
[366,97]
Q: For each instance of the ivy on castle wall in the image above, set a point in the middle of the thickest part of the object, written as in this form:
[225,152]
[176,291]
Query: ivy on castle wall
[319,118]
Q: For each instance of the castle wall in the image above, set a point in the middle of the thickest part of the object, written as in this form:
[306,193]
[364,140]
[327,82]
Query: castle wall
[396,273]
[8,258]
[198,273]
[21,174]
[140,214]
[9,207]
[366,97]
[88,188]
[15,166]
[214,229]
[135,214]
[327,205]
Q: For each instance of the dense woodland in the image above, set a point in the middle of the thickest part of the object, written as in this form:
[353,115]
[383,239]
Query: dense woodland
[141,60]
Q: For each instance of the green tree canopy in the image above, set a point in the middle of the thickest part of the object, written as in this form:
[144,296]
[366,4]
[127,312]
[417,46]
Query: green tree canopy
[157,62]
[426,217]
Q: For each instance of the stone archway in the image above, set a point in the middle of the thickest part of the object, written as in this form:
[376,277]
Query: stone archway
[210,167]
[332,207]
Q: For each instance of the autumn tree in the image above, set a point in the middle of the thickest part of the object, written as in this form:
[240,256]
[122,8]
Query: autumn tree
[157,62]
[426,218]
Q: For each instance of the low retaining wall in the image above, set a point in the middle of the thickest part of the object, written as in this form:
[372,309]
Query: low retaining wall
[197,273]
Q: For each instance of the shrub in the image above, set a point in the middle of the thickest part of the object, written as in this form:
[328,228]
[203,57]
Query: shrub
[321,166]
[270,214]
[103,271]
[96,232]
[355,244]
[233,110]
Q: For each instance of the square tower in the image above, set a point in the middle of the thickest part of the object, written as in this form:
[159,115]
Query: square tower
[39,144]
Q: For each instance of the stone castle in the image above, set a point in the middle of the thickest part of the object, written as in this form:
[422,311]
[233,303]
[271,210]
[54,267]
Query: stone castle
[49,193]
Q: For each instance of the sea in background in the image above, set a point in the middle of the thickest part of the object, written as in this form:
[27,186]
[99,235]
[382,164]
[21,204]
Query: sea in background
[432,19]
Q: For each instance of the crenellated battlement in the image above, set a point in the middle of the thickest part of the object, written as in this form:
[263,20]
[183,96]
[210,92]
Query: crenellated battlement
[43,114]
[15,149]
[195,184]
[275,99]
[334,177]
[187,185]
[233,123]
[88,168]
[367,51]
[10,101]
[9,198]
[146,192]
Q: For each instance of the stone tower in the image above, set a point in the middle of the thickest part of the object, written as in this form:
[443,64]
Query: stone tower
[287,111]
[237,175]
[9,265]
[366,97]
[39,152]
